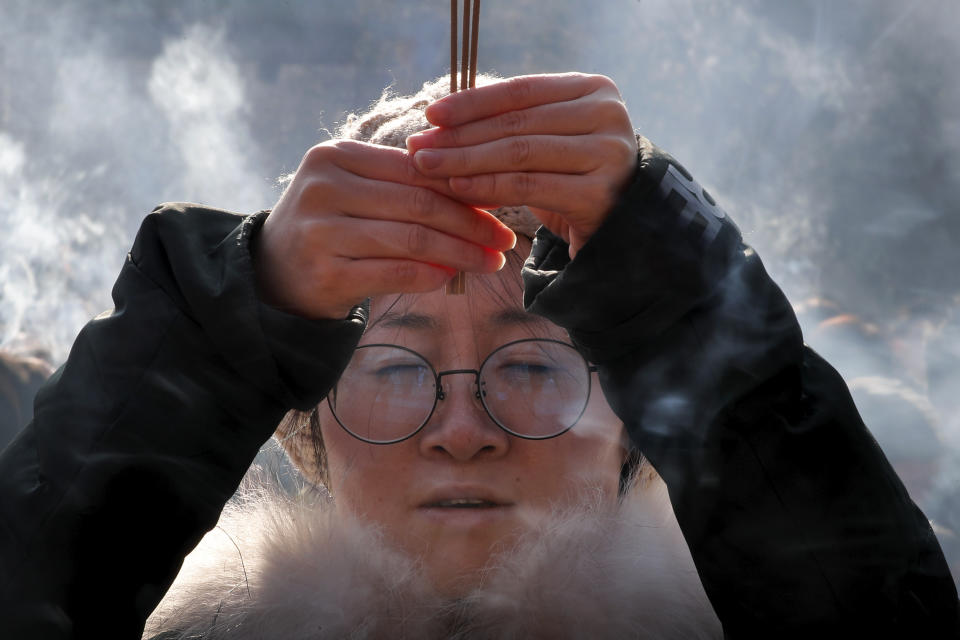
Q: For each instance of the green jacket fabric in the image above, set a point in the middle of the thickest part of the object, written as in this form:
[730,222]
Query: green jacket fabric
[795,520]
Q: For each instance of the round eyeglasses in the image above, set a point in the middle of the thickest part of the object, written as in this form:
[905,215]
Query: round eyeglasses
[534,388]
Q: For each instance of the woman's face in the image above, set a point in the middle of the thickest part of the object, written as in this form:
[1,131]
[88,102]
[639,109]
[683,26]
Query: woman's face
[409,488]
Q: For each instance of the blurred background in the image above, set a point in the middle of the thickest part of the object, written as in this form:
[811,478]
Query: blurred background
[829,130]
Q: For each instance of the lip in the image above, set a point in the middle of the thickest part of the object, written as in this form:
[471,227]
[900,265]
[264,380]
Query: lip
[451,519]
[461,518]
[454,519]
[463,492]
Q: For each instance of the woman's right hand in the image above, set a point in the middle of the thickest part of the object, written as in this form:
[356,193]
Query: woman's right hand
[358,220]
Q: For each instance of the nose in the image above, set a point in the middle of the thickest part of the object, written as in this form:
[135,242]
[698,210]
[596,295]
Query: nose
[460,427]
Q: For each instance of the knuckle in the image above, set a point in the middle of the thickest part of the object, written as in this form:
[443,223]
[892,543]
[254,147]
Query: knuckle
[316,187]
[628,148]
[519,151]
[410,173]
[417,240]
[319,155]
[623,117]
[512,122]
[462,158]
[523,185]
[617,149]
[609,114]
[403,273]
[422,204]
[612,108]
[453,137]
[519,89]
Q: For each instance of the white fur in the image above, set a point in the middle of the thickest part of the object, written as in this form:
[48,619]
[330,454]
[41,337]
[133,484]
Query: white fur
[276,567]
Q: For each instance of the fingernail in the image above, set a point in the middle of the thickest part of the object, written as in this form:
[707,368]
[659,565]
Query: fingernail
[426,133]
[507,237]
[500,257]
[427,159]
[438,111]
[461,183]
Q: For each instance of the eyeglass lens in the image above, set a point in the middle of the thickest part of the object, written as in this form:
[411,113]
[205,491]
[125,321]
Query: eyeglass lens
[532,388]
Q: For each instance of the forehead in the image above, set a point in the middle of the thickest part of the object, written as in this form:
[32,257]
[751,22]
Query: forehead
[491,310]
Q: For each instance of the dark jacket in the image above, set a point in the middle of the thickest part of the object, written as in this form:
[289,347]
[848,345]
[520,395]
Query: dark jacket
[796,522]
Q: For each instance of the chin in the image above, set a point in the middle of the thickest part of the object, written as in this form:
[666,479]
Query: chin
[457,564]
[459,547]
[456,576]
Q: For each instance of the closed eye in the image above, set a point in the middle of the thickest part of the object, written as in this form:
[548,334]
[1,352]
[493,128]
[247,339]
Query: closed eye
[400,370]
[526,370]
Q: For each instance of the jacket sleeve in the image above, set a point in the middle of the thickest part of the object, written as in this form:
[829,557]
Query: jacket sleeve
[795,520]
[141,437]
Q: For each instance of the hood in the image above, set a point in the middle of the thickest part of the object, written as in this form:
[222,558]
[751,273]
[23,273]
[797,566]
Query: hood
[283,567]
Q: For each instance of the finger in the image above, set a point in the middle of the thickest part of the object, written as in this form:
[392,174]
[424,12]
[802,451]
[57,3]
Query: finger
[382,276]
[364,239]
[559,154]
[575,197]
[521,92]
[377,200]
[576,117]
[369,161]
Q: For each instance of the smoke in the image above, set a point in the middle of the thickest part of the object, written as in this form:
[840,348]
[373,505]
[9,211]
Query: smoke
[829,131]
[88,151]
[47,257]
[200,92]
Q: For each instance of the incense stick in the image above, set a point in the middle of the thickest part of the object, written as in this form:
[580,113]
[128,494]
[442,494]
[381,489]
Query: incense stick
[468,79]
[453,46]
[474,32]
[465,47]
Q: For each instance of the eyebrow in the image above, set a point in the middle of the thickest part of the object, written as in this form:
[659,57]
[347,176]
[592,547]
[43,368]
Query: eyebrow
[418,321]
[395,320]
[515,316]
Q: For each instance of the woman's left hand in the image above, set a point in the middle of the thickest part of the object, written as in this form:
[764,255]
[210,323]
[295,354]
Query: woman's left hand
[561,144]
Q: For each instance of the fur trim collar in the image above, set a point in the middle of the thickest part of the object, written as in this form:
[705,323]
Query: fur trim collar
[275,567]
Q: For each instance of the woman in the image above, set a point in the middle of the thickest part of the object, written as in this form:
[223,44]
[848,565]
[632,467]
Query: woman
[793,518]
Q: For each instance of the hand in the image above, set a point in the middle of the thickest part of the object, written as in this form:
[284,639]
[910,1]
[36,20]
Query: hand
[358,220]
[561,144]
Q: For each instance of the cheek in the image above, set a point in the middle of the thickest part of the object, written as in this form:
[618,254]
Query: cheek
[362,477]
[596,448]
[588,464]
